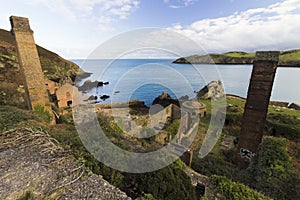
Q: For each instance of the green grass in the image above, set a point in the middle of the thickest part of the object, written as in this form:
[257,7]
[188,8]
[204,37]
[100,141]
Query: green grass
[273,171]
[235,191]
[290,55]
[238,54]
[287,58]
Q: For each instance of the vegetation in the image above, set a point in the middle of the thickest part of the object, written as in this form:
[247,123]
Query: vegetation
[272,170]
[54,66]
[170,182]
[173,128]
[287,58]
[10,117]
[167,183]
[43,114]
[240,54]
[234,191]
[275,169]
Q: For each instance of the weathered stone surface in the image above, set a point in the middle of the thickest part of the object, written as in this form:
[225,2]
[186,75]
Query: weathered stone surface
[228,142]
[31,162]
[213,90]
[272,56]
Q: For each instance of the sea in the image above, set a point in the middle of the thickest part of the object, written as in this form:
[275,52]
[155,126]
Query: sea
[145,79]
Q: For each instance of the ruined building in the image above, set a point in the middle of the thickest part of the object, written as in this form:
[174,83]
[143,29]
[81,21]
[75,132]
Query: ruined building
[30,66]
[256,108]
[61,94]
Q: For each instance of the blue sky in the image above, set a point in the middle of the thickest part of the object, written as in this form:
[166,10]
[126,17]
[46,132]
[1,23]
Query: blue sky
[74,28]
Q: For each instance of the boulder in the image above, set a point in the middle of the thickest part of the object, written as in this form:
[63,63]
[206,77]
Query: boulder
[104,97]
[213,90]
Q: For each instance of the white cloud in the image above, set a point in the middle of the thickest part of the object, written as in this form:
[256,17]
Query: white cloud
[274,27]
[179,3]
[102,11]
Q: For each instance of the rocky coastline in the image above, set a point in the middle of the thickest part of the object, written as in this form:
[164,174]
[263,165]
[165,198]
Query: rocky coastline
[287,59]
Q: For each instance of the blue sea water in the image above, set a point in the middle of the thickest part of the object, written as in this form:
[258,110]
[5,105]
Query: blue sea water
[145,79]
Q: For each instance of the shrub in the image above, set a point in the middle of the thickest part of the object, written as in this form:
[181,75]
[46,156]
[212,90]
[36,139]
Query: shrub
[272,170]
[234,191]
[170,183]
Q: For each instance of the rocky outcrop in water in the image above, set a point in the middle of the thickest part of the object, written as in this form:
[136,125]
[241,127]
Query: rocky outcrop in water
[165,100]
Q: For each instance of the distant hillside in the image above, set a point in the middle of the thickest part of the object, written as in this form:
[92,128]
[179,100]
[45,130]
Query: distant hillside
[54,66]
[287,58]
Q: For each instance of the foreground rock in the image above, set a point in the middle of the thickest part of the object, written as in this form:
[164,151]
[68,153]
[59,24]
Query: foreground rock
[31,163]
[213,90]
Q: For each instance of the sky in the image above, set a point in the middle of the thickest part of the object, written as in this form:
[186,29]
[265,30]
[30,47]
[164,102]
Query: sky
[75,28]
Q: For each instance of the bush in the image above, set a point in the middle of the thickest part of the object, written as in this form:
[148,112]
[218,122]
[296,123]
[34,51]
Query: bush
[213,164]
[285,126]
[170,183]
[234,191]
[272,170]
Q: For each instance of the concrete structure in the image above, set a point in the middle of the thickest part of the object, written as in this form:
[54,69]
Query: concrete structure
[30,66]
[256,108]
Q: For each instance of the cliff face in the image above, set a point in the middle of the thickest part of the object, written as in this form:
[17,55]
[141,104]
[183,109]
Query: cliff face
[54,66]
[286,59]
[33,165]
[214,59]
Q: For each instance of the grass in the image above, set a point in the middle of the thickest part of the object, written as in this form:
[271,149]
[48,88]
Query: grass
[290,55]
[222,162]
[238,54]
[235,191]
[10,117]
[218,162]
[287,58]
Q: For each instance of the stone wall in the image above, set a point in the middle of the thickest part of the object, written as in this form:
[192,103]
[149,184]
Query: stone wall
[65,95]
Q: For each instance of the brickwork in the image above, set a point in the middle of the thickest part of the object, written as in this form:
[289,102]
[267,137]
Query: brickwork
[256,107]
[30,66]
